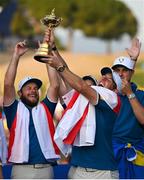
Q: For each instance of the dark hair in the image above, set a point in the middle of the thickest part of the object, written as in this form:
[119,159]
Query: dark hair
[106,70]
[91,78]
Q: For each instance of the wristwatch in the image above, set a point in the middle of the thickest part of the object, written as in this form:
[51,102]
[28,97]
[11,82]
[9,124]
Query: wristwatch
[61,68]
[131,96]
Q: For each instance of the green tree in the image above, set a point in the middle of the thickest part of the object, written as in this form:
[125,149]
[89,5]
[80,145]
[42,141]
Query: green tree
[20,26]
[105,19]
[111,20]
[3,3]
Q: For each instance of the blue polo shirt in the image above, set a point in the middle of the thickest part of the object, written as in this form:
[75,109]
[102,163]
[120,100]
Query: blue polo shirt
[127,129]
[35,154]
[100,156]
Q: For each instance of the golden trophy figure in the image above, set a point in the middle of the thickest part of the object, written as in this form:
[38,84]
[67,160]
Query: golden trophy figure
[50,21]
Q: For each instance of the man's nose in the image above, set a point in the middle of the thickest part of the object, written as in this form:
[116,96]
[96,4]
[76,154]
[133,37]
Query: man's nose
[33,90]
[104,78]
[120,73]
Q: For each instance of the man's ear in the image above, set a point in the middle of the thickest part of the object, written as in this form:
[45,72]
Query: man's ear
[19,93]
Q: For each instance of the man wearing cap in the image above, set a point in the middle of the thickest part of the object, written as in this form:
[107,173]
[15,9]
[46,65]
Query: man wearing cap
[128,134]
[31,147]
[95,160]
[91,138]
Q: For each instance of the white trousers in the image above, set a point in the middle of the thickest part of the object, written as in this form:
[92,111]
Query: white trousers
[89,173]
[38,171]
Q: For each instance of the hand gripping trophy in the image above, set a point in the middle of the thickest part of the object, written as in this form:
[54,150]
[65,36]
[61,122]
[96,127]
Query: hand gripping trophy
[50,21]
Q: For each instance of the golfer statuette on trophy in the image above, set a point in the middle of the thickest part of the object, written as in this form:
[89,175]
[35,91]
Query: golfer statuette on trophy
[50,21]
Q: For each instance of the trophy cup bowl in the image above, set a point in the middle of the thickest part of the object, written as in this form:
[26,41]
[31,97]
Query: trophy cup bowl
[50,21]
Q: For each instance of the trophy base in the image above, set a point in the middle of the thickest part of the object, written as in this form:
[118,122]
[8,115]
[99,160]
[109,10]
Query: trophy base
[39,57]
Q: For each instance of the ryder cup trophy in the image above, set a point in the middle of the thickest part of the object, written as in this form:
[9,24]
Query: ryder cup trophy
[50,21]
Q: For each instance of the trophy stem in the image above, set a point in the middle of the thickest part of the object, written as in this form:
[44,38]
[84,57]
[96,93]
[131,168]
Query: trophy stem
[50,21]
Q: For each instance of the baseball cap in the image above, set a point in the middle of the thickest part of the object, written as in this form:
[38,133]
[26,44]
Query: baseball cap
[115,75]
[123,61]
[106,70]
[29,80]
[89,77]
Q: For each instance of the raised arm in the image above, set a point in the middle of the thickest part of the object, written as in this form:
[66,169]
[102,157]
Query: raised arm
[9,89]
[53,89]
[56,82]
[64,85]
[134,50]
[137,107]
[72,79]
